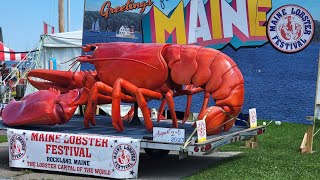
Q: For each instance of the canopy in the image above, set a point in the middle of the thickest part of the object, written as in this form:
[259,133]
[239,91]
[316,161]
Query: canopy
[7,54]
[63,40]
[61,46]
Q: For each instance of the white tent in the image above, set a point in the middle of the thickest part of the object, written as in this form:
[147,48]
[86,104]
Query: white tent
[61,46]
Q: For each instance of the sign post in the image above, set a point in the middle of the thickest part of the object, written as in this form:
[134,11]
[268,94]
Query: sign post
[307,141]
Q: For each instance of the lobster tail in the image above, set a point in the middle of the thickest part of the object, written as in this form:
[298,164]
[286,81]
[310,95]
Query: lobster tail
[226,86]
[217,74]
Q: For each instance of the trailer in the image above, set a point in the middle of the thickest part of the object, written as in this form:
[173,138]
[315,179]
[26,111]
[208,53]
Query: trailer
[72,148]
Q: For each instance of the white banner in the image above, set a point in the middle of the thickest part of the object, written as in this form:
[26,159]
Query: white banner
[107,156]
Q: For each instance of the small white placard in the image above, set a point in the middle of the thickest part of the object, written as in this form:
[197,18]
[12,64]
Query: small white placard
[172,135]
[201,130]
[253,117]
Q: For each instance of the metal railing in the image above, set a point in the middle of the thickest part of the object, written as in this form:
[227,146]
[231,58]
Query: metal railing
[29,62]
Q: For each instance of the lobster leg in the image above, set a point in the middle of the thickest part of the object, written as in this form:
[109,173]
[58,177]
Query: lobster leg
[204,104]
[169,98]
[187,111]
[189,91]
[100,93]
[129,115]
[161,109]
[139,94]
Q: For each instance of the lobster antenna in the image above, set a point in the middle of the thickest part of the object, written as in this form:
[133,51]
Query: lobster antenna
[75,69]
[72,64]
[69,60]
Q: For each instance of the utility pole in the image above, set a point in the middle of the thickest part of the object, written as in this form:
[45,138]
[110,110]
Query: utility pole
[61,15]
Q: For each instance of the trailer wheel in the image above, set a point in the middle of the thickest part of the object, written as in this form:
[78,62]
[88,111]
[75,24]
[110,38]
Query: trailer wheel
[156,153]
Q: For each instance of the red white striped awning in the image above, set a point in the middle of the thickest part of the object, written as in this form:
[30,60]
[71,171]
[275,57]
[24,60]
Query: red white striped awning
[7,54]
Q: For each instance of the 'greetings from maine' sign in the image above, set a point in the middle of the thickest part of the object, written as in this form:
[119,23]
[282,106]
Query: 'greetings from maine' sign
[211,23]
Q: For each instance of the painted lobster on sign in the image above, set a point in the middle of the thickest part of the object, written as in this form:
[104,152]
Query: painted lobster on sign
[133,72]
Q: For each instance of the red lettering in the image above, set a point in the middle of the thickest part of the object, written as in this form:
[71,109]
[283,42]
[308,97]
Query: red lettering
[50,137]
[34,137]
[76,151]
[82,152]
[72,139]
[60,150]
[104,143]
[98,143]
[78,140]
[41,138]
[85,141]
[88,155]
[48,146]
[54,149]
[66,148]
[91,141]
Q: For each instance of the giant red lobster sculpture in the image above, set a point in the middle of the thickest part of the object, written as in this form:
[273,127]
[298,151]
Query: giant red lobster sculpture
[133,72]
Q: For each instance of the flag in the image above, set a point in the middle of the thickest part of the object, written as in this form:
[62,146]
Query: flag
[52,30]
[45,28]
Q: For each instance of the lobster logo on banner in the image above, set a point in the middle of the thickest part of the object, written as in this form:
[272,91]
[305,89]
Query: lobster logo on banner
[17,147]
[124,157]
[290,28]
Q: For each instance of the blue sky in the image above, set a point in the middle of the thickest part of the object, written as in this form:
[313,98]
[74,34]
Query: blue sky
[22,20]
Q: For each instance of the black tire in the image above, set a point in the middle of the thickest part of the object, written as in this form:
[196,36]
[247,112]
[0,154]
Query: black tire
[156,153]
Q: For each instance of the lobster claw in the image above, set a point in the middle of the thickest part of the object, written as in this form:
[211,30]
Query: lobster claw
[44,107]
[61,80]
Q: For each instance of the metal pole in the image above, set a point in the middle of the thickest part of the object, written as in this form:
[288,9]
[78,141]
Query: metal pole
[1,37]
[68,18]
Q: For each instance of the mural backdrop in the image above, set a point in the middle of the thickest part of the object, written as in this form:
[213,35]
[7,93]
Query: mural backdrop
[274,43]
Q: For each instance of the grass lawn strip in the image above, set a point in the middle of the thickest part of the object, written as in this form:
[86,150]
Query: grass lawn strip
[3,138]
[276,157]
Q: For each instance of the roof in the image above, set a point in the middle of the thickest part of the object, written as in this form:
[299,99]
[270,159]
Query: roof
[66,39]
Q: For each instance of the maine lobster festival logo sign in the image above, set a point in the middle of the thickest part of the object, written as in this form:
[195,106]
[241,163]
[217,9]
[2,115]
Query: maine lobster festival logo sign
[17,147]
[290,28]
[124,157]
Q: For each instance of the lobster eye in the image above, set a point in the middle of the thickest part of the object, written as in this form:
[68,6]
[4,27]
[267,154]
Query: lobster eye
[92,48]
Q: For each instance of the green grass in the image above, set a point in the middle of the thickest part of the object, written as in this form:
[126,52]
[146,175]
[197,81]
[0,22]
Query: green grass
[276,157]
[3,138]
